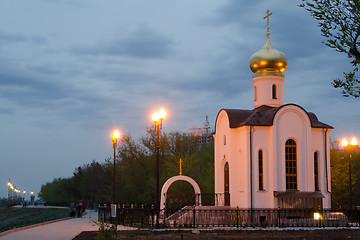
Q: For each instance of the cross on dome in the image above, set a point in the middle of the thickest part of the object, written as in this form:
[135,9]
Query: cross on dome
[267,22]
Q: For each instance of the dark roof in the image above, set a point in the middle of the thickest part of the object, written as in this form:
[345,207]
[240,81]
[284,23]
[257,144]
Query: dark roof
[264,116]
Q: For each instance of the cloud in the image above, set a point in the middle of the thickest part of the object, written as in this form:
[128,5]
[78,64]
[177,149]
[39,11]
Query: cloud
[28,90]
[143,43]
[6,111]
[15,38]
[42,93]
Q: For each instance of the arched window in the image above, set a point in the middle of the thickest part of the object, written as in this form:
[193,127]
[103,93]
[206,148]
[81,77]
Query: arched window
[290,165]
[274,92]
[227,184]
[261,170]
[316,171]
[255,94]
[224,139]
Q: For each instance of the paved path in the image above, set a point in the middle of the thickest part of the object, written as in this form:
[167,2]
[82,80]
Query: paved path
[61,230]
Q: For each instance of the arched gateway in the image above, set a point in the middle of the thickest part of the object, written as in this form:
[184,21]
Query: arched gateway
[180,178]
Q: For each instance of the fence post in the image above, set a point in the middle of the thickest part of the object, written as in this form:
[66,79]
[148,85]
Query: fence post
[105,212]
[237,216]
[142,213]
[194,216]
[123,215]
[99,212]
[279,225]
[118,213]
[152,215]
[131,214]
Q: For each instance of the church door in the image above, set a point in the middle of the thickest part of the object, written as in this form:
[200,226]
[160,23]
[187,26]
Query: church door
[226,184]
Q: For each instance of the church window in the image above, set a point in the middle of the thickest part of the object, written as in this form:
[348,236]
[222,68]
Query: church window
[290,165]
[316,171]
[255,94]
[274,92]
[227,184]
[261,170]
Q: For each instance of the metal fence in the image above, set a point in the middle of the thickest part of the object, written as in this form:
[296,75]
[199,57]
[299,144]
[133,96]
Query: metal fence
[190,216]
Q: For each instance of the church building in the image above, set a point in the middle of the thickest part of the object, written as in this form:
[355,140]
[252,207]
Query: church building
[276,155]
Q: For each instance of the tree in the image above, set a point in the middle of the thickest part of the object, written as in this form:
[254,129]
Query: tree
[136,161]
[339,21]
[339,159]
[339,175]
[135,165]
[56,192]
[135,171]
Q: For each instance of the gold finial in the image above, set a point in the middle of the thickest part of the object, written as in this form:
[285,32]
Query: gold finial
[267,24]
[180,173]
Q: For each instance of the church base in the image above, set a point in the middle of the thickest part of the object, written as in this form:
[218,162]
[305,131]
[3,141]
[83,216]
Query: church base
[225,216]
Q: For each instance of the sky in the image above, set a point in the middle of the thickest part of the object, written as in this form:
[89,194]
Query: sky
[71,72]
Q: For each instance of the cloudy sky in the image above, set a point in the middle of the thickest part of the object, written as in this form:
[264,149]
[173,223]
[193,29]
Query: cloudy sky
[73,71]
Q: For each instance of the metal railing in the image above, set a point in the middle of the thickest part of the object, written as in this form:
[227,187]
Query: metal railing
[214,217]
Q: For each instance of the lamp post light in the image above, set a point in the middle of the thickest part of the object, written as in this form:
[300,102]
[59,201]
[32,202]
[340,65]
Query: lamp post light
[10,188]
[24,194]
[158,118]
[353,144]
[32,197]
[17,196]
[114,137]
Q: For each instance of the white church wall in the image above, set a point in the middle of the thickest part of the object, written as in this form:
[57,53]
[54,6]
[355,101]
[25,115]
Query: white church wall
[222,129]
[262,141]
[291,122]
[318,145]
[327,192]
[234,160]
[263,86]
[241,187]
[231,145]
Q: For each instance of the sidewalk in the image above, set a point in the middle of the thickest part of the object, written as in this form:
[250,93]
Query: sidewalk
[61,230]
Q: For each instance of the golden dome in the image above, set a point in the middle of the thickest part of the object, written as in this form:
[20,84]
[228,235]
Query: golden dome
[268,59]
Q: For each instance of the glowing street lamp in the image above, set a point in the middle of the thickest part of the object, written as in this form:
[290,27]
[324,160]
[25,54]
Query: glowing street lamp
[32,197]
[24,194]
[10,195]
[317,216]
[346,145]
[158,118]
[114,137]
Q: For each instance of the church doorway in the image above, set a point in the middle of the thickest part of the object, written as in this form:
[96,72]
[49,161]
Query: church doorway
[226,184]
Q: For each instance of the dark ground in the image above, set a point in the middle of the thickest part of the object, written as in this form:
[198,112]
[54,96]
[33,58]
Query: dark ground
[232,234]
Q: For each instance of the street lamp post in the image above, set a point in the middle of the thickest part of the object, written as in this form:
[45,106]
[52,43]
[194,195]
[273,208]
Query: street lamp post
[158,118]
[353,144]
[114,137]
[10,189]
[32,197]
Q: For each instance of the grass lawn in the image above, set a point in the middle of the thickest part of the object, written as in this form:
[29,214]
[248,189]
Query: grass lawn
[19,217]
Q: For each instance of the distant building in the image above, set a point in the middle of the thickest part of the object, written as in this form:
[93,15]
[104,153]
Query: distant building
[203,133]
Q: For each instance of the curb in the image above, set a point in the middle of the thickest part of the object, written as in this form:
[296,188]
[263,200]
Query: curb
[32,226]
